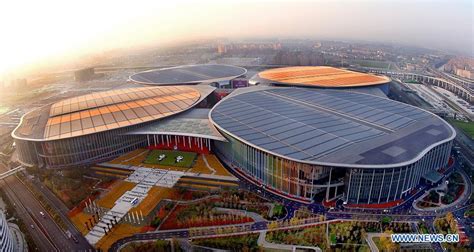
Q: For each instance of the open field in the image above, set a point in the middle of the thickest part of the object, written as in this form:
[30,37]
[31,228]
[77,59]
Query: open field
[231,243]
[155,195]
[372,63]
[135,157]
[118,189]
[79,221]
[119,232]
[170,158]
[217,165]
[466,127]
[200,166]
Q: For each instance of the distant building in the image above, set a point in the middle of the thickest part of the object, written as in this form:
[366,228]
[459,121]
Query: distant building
[239,83]
[411,67]
[189,75]
[221,49]
[85,74]
[464,73]
[7,243]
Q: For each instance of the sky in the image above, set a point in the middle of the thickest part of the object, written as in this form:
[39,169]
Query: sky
[35,31]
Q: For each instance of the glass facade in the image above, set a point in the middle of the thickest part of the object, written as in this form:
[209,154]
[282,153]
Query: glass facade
[289,178]
[92,128]
[303,181]
[82,150]
[368,186]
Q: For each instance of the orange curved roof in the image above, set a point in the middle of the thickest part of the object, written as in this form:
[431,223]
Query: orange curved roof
[321,76]
[108,110]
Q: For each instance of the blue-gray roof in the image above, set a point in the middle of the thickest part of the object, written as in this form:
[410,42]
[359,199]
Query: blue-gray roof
[330,127]
[433,176]
[194,122]
[188,74]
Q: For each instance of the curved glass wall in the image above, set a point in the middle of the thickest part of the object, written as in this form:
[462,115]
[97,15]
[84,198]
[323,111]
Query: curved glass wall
[77,151]
[368,186]
[288,178]
[303,181]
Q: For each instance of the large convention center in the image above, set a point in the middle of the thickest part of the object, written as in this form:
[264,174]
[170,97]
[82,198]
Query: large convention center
[303,133]
[188,74]
[322,77]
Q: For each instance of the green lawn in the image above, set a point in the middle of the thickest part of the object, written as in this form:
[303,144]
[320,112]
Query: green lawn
[278,210]
[372,63]
[170,159]
[467,127]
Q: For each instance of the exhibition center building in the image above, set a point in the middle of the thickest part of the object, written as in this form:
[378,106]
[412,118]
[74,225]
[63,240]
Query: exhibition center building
[303,133]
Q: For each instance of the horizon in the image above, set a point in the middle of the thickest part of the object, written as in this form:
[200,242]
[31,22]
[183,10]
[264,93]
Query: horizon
[97,27]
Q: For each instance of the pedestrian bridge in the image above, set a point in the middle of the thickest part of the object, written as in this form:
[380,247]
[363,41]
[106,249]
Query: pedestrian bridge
[461,89]
[11,172]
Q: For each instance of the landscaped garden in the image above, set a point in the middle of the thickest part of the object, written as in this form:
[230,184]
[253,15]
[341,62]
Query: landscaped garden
[279,211]
[397,227]
[304,212]
[171,158]
[200,215]
[310,236]
[423,228]
[206,213]
[448,225]
[436,198]
[244,200]
[469,213]
[232,243]
[158,245]
[384,243]
[350,235]
[455,188]
[72,186]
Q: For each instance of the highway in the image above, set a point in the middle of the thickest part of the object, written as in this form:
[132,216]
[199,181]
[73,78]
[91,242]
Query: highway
[62,211]
[47,235]
[40,239]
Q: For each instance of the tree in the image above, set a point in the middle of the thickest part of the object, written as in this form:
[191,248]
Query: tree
[386,241]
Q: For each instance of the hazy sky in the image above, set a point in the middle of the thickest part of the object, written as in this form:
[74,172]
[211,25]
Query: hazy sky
[33,29]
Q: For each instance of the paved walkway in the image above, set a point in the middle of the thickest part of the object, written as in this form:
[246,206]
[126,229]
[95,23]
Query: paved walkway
[208,166]
[370,241]
[187,174]
[256,217]
[276,246]
[245,229]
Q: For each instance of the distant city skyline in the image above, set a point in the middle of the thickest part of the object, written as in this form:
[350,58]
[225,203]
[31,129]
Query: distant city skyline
[55,29]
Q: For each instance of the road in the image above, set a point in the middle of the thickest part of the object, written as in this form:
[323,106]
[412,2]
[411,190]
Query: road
[62,211]
[41,241]
[46,233]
